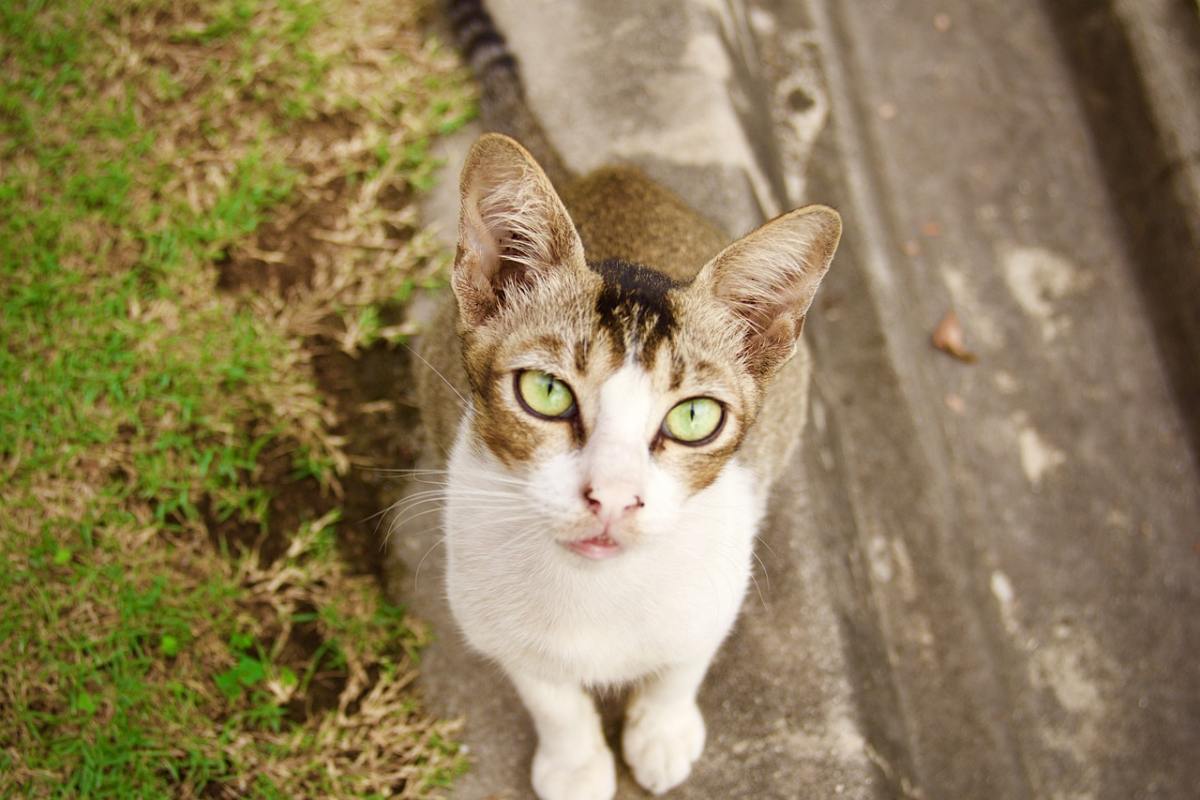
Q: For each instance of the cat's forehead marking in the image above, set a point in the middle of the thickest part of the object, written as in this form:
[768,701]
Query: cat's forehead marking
[678,367]
[634,307]
[549,345]
[583,349]
[706,371]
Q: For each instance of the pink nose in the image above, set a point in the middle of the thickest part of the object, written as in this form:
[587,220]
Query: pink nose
[610,502]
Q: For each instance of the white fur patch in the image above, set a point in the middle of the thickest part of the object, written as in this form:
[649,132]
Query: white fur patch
[671,595]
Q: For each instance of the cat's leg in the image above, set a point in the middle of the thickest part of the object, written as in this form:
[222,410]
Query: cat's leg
[572,761]
[664,731]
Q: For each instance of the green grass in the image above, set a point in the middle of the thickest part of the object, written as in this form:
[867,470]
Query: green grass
[137,401]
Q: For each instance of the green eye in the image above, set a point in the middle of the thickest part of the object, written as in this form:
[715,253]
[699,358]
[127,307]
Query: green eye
[694,420]
[544,395]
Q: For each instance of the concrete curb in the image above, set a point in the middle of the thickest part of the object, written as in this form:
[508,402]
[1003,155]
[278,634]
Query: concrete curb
[1137,66]
[979,593]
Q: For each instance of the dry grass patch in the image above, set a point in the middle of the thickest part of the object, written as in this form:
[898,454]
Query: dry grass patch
[207,237]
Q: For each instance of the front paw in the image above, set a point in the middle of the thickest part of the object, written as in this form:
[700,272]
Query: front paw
[574,776]
[661,744]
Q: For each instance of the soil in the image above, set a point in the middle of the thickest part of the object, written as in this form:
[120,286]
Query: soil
[381,438]
[371,394]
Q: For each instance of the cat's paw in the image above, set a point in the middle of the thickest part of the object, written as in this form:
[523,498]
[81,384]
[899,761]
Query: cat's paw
[661,744]
[574,776]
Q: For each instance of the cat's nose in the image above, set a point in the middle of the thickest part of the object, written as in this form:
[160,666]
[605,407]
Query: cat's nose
[609,502]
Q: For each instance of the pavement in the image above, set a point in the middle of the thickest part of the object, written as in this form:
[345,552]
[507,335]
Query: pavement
[978,580]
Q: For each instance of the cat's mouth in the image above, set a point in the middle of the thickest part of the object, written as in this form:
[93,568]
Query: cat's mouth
[596,548]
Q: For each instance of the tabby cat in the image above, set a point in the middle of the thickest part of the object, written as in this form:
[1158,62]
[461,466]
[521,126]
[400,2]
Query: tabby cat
[621,387]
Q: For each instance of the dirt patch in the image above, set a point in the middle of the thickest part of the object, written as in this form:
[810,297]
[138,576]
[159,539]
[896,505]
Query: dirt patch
[293,500]
[372,395]
[299,264]
[372,398]
[331,267]
[304,640]
[369,391]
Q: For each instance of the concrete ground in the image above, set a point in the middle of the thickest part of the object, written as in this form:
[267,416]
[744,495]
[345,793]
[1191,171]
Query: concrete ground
[980,580]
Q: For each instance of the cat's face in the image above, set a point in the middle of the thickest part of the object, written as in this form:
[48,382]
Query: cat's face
[609,396]
[614,395]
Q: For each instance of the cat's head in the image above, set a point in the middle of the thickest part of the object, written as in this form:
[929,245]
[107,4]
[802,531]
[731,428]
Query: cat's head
[609,394]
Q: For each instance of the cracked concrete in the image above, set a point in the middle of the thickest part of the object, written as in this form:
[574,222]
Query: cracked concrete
[978,581]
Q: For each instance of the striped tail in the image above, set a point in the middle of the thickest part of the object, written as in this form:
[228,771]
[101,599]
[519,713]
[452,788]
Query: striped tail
[503,107]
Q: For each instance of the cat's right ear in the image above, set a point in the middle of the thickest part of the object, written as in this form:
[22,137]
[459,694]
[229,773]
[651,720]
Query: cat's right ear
[513,228]
[768,279]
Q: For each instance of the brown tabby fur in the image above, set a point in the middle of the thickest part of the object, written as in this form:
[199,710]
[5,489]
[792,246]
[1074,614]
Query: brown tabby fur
[539,299]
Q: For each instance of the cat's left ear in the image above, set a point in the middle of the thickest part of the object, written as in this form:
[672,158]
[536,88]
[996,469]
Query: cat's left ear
[513,228]
[769,277]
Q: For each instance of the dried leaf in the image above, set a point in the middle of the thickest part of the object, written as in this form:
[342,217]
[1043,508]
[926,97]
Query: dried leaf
[948,337]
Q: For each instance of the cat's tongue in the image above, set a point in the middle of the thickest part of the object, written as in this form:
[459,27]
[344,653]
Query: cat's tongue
[597,547]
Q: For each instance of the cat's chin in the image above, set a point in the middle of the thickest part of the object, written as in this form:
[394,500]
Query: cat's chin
[596,548]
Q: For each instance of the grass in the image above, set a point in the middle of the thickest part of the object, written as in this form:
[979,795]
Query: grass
[193,196]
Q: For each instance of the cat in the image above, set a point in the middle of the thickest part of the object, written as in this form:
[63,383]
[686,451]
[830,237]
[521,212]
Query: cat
[618,387]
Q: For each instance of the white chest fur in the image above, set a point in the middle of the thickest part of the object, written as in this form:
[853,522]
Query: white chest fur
[534,606]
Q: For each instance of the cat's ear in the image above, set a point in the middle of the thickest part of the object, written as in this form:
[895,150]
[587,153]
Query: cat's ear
[513,228]
[769,277]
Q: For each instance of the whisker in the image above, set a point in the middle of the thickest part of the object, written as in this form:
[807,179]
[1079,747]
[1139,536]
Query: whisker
[410,511]
[450,386]
[515,537]
[417,574]
[758,590]
[403,523]
[770,550]
[766,574]
[394,505]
